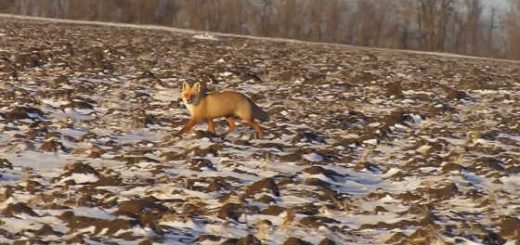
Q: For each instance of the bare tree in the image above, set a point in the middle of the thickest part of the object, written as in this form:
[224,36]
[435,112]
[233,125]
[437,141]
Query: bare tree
[473,26]
[433,18]
[265,17]
[490,49]
[166,11]
[405,14]
[461,26]
[513,31]
[290,24]
[7,6]
[333,18]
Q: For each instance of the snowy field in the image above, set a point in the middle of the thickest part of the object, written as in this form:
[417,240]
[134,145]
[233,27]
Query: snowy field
[364,146]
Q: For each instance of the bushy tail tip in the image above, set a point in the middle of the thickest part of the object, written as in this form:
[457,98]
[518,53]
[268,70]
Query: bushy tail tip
[258,113]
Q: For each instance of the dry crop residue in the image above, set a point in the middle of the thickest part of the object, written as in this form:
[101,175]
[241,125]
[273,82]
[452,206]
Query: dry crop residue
[364,146]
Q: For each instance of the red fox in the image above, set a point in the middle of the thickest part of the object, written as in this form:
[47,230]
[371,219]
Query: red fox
[206,107]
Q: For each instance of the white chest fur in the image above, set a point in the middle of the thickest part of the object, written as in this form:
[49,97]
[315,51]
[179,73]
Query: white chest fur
[190,107]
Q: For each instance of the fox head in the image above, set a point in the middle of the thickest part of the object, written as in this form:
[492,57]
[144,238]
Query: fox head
[191,94]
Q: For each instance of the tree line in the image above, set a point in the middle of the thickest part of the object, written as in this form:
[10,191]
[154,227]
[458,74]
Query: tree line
[458,26]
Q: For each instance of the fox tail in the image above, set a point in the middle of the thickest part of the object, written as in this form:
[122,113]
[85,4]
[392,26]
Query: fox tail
[258,113]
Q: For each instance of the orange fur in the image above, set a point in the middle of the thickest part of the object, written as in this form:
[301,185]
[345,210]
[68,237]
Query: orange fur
[205,108]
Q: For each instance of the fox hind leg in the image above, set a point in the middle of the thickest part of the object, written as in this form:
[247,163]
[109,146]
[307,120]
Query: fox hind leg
[251,122]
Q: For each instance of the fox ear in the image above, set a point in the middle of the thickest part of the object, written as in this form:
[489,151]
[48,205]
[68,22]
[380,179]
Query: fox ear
[185,85]
[196,87]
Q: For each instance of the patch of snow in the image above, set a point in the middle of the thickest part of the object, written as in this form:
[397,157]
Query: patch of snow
[205,36]
[313,157]
[96,213]
[81,178]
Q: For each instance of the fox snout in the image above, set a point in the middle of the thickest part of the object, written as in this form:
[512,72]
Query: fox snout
[190,101]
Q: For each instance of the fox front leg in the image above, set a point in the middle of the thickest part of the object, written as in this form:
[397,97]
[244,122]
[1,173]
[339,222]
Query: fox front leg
[211,126]
[187,127]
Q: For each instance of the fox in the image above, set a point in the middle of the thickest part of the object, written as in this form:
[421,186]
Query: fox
[228,104]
